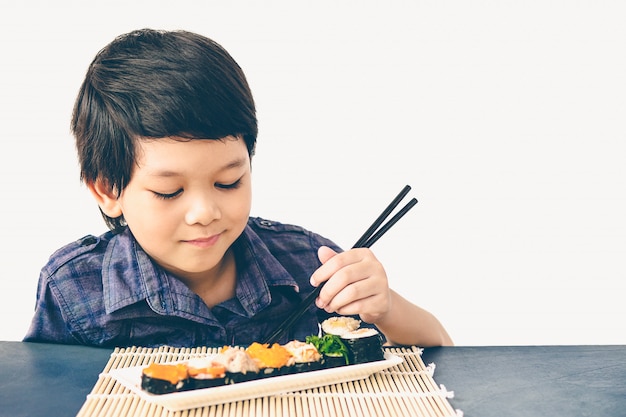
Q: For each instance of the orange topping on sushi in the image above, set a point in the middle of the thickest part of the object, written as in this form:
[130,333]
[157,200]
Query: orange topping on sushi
[172,373]
[201,367]
[275,356]
[214,371]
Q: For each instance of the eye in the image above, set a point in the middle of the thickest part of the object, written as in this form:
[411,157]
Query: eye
[169,196]
[230,186]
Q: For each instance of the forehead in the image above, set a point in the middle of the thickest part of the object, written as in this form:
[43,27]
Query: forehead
[176,156]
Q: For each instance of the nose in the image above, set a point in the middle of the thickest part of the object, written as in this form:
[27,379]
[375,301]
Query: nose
[202,210]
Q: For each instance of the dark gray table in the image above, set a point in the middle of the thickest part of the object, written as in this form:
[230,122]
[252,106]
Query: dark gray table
[533,380]
[47,380]
[54,380]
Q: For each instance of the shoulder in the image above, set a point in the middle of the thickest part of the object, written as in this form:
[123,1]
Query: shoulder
[292,237]
[78,256]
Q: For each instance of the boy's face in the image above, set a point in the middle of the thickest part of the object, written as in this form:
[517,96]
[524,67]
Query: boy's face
[187,202]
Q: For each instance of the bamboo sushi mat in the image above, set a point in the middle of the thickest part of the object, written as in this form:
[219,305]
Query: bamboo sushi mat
[406,389]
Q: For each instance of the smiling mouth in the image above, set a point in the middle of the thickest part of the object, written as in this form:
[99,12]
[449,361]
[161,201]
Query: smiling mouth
[204,242]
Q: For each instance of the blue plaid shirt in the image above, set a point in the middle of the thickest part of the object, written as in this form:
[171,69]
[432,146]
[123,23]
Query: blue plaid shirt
[106,291]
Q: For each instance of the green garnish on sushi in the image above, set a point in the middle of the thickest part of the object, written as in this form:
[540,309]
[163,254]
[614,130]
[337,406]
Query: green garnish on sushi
[329,345]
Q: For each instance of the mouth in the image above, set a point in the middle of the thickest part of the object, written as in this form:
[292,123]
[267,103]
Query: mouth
[204,242]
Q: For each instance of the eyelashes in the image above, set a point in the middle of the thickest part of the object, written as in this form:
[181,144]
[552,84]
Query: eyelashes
[169,196]
[230,186]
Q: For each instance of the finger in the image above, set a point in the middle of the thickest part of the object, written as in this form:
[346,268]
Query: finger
[324,253]
[338,295]
[331,263]
[347,285]
[371,308]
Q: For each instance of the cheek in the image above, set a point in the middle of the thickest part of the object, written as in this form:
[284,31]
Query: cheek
[236,212]
[146,215]
[239,207]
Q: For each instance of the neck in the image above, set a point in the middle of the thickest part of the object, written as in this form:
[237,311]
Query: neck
[218,285]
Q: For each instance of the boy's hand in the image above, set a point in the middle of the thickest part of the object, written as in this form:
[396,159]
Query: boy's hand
[357,284]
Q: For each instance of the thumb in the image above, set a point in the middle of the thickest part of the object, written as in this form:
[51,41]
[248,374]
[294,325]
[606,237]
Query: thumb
[324,253]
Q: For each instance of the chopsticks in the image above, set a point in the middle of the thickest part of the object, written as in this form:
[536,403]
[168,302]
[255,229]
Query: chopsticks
[365,241]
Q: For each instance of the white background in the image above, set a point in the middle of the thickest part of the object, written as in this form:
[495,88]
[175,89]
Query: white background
[507,119]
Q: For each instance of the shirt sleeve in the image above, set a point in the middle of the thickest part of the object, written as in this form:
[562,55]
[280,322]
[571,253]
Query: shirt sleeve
[48,324]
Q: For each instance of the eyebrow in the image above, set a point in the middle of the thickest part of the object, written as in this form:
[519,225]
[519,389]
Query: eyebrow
[236,163]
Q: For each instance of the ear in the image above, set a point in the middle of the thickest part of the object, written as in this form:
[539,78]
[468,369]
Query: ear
[106,198]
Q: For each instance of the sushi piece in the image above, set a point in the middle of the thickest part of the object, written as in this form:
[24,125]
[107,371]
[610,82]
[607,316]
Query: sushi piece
[270,359]
[334,352]
[205,373]
[364,345]
[339,325]
[334,360]
[305,356]
[240,366]
[164,378]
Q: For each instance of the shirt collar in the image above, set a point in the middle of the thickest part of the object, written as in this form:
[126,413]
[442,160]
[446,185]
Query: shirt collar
[130,276]
[257,270]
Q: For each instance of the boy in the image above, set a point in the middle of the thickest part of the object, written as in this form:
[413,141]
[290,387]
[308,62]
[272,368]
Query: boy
[165,128]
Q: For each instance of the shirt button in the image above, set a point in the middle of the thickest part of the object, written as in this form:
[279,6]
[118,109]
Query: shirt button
[265,223]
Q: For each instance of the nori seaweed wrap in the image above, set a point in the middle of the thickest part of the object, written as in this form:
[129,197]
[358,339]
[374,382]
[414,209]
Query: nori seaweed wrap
[240,367]
[364,345]
[270,359]
[333,360]
[164,378]
[204,373]
[305,356]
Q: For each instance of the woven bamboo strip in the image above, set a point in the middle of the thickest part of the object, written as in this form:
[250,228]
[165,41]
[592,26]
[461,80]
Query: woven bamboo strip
[401,383]
[376,398]
[404,390]
[350,403]
[363,405]
[419,372]
[329,407]
[405,405]
[409,405]
[440,400]
[88,408]
[317,404]
[378,387]
[392,402]
[340,404]
[414,385]
[304,401]
[424,382]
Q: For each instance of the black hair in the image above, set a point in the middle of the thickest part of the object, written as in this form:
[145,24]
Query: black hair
[156,84]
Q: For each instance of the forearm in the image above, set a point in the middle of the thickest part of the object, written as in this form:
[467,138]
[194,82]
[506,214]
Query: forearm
[408,324]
